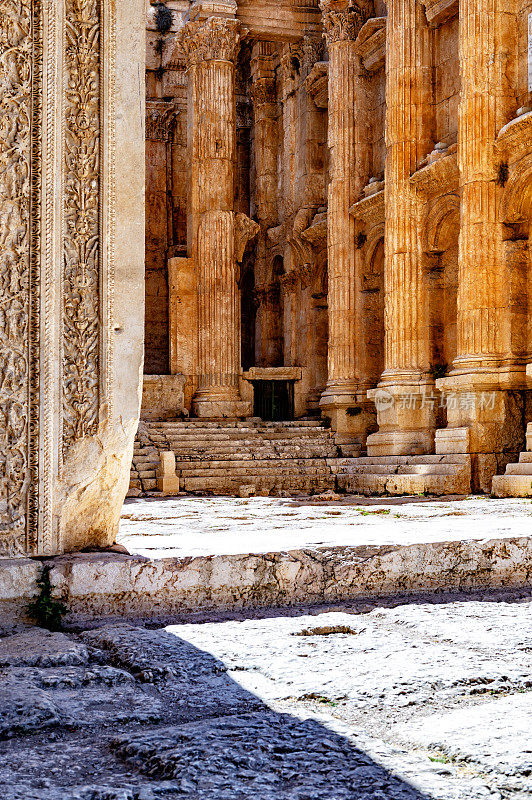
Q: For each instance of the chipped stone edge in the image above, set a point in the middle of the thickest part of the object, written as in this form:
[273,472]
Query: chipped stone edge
[98,586]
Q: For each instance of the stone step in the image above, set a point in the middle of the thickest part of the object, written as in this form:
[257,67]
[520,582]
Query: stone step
[405,484]
[250,455]
[399,469]
[244,436]
[193,424]
[525,457]
[511,485]
[522,468]
[273,483]
[243,472]
[253,463]
[422,459]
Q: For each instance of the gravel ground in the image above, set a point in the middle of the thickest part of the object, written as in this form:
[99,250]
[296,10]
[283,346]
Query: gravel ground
[424,701]
[199,526]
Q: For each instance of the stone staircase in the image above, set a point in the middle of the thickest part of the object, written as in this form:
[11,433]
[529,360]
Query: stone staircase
[517,480]
[222,456]
[400,475]
[282,458]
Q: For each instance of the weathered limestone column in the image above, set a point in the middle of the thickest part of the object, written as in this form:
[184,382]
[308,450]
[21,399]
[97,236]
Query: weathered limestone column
[211,45]
[406,420]
[342,21]
[484,414]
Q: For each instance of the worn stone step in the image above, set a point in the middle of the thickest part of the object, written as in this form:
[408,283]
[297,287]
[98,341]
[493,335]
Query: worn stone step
[522,468]
[457,481]
[511,485]
[274,483]
[242,463]
[242,472]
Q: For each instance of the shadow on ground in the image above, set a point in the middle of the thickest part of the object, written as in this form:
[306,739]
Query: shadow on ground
[125,713]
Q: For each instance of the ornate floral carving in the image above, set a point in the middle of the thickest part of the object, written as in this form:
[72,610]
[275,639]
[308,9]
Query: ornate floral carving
[82,222]
[19,297]
[215,39]
[342,21]
[160,116]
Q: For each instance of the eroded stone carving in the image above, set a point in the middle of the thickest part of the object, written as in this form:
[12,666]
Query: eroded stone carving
[343,23]
[18,276]
[82,223]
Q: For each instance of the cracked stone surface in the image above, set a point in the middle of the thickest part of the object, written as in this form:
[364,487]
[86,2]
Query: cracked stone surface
[425,701]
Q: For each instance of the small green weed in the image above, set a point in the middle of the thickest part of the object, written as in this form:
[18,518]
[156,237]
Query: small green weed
[44,608]
[440,759]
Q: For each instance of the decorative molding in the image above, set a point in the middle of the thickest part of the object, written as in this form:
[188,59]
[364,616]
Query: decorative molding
[371,44]
[214,39]
[439,177]
[317,84]
[245,229]
[20,131]
[439,11]
[515,139]
[160,116]
[343,23]
[370,210]
[82,246]
[316,234]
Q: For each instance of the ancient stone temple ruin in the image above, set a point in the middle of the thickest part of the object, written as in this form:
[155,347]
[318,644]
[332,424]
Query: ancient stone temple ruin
[336,266]
[337,226]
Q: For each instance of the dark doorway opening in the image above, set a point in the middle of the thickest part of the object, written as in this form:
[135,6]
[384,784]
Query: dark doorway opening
[274,400]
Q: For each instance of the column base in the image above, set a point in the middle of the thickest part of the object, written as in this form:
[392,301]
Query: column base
[400,443]
[221,409]
[351,414]
[407,415]
[484,421]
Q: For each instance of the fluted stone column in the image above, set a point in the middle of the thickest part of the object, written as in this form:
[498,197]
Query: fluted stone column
[489,423]
[406,420]
[211,46]
[342,21]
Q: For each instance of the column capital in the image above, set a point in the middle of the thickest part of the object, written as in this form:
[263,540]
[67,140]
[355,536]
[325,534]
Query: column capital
[343,19]
[263,90]
[213,39]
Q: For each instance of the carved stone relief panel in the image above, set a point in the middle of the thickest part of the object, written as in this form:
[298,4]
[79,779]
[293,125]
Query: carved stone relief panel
[20,71]
[81,300]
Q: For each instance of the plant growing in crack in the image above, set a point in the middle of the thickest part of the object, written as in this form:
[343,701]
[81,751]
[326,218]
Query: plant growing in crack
[45,609]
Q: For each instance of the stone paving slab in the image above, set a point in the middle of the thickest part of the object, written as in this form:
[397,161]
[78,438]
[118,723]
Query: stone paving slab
[207,526]
[423,701]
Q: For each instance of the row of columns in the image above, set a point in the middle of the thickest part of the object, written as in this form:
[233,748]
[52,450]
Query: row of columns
[486,104]
[211,44]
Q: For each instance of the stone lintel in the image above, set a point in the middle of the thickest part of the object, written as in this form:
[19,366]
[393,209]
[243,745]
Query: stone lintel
[273,374]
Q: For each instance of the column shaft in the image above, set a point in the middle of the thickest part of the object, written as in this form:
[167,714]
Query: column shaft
[342,23]
[486,100]
[212,46]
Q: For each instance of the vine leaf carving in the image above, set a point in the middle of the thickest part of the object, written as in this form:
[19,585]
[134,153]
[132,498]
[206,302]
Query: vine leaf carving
[82,222]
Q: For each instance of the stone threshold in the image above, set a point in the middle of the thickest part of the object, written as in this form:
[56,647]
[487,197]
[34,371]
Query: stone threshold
[106,586]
